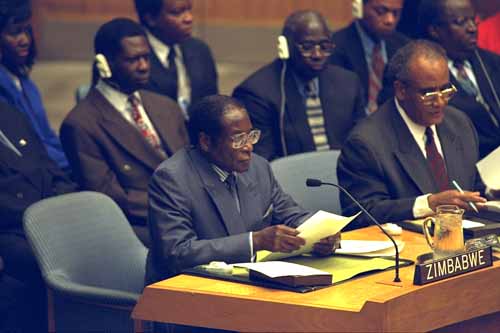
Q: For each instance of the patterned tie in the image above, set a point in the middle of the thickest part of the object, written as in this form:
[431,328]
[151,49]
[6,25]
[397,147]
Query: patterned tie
[315,119]
[375,77]
[142,126]
[233,189]
[464,79]
[435,161]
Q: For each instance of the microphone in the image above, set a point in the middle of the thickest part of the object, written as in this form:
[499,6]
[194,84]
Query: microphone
[311,182]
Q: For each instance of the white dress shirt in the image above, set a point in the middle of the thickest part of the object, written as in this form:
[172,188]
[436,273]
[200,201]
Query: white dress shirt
[183,84]
[421,206]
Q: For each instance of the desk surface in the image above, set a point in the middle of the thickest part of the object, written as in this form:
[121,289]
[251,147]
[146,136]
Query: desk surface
[371,303]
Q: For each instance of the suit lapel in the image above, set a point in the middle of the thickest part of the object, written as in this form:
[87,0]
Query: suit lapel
[452,151]
[168,129]
[328,107]
[410,156]
[217,191]
[124,133]
[358,57]
[248,195]
[296,114]
[484,86]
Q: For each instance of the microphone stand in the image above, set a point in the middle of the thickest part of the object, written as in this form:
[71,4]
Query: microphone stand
[310,182]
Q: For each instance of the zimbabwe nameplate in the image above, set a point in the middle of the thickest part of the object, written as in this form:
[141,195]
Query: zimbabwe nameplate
[428,270]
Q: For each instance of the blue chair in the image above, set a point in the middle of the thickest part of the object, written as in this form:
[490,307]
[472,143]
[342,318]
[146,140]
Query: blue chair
[91,260]
[292,172]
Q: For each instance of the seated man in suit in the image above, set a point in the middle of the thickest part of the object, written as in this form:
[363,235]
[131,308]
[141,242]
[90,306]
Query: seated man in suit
[475,72]
[27,175]
[117,136]
[367,44]
[399,162]
[217,201]
[314,105]
[182,67]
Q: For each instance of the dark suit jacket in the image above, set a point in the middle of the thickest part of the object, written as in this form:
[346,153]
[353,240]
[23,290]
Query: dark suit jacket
[382,166]
[200,67]
[341,99]
[109,155]
[350,55]
[193,218]
[25,179]
[488,132]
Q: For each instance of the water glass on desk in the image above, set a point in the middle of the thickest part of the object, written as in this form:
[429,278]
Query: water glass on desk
[448,237]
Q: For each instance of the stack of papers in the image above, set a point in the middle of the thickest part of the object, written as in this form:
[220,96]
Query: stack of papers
[369,248]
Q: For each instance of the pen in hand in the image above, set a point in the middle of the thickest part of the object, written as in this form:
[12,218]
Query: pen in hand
[470,203]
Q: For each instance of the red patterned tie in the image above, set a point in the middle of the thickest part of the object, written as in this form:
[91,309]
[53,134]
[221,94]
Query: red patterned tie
[375,77]
[141,125]
[435,161]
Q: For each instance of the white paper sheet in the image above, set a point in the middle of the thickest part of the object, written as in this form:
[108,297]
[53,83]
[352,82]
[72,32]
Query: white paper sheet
[275,269]
[488,169]
[320,225]
[369,248]
[467,224]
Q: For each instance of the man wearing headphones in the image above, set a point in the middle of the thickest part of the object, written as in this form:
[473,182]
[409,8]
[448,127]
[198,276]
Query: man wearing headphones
[117,136]
[300,102]
[475,72]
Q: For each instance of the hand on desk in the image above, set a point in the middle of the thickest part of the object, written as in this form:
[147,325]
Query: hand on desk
[327,245]
[277,238]
[454,197]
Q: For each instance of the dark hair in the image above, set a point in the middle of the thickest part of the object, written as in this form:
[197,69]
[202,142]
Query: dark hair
[206,116]
[398,68]
[295,20]
[145,7]
[16,11]
[430,13]
[107,40]
[109,36]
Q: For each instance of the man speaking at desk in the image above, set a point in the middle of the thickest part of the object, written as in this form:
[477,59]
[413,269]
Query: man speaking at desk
[400,162]
[217,201]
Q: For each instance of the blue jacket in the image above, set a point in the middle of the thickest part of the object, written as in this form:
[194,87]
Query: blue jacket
[30,103]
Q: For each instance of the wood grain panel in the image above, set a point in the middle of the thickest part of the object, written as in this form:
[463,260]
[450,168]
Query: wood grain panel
[239,12]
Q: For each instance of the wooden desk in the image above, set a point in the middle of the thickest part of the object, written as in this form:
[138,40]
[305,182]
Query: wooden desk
[369,304]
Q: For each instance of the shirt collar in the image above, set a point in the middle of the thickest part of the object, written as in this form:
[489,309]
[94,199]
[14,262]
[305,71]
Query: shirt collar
[301,84]
[222,174]
[118,99]
[368,43]
[416,130]
[159,48]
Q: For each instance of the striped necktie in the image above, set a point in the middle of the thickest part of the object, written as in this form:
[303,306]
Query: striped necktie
[375,77]
[315,117]
[464,79]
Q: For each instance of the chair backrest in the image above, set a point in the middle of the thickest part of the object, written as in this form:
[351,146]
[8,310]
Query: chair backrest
[86,238]
[292,172]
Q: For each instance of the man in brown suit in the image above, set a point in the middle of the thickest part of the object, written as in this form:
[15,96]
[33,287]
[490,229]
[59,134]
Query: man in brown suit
[118,134]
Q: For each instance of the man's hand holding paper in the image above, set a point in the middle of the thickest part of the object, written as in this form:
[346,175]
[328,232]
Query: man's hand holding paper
[319,233]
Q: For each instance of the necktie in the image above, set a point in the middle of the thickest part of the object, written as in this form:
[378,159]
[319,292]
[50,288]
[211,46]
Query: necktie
[141,125]
[233,189]
[435,161]
[172,67]
[315,119]
[375,77]
[464,79]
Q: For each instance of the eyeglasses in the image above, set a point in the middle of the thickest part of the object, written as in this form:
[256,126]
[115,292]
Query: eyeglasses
[307,48]
[241,139]
[430,97]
